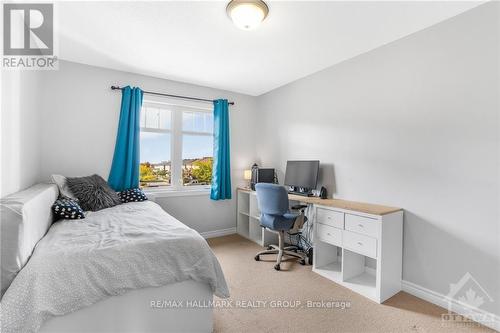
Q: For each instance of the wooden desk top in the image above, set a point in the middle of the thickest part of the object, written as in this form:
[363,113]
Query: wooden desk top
[339,203]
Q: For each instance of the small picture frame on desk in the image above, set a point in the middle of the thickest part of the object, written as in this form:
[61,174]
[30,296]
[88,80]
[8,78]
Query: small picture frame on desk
[322,193]
[315,193]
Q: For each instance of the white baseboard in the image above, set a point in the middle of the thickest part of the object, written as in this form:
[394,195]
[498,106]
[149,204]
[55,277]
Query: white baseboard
[218,233]
[457,307]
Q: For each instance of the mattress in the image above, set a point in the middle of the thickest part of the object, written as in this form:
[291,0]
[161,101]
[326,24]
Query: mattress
[133,312]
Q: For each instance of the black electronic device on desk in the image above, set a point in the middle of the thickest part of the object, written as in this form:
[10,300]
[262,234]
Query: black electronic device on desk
[301,177]
[262,175]
[323,194]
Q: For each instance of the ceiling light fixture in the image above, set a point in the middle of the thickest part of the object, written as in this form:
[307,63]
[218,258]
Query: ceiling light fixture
[247,14]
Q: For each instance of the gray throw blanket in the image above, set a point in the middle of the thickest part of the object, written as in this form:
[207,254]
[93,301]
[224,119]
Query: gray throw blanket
[112,251]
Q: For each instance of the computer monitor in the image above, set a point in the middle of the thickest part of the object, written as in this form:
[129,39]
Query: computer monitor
[301,176]
[261,175]
[266,175]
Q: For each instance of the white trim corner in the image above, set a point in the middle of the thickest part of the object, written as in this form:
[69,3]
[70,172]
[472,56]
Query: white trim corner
[443,301]
[218,233]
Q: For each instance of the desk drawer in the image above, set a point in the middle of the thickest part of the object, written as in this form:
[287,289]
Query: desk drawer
[330,217]
[329,234]
[362,225]
[360,244]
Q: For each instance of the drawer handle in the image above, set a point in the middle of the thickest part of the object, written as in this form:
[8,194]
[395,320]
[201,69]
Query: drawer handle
[361,226]
[360,244]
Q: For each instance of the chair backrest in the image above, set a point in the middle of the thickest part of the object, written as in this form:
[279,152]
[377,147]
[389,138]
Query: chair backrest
[272,198]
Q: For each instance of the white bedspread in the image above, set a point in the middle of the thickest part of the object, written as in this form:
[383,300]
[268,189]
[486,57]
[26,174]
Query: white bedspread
[110,252]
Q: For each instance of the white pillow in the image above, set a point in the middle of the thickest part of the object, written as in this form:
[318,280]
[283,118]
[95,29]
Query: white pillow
[64,189]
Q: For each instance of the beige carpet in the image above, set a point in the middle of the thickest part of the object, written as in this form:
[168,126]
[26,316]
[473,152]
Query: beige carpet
[250,280]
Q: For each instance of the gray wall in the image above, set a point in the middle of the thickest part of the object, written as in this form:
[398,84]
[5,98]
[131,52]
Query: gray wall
[70,118]
[201,213]
[19,120]
[413,124]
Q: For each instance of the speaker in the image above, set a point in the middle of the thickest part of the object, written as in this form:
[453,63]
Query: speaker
[322,193]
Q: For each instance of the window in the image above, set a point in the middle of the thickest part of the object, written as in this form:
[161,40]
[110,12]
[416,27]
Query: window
[176,146]
[155,169]
[197,148]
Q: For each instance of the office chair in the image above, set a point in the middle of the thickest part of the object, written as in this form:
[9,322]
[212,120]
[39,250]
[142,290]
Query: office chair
[275,217]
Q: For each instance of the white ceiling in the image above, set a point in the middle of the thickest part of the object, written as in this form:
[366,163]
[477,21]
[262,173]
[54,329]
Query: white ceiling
[196,42]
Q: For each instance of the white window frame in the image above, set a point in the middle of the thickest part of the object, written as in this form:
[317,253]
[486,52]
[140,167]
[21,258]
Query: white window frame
[176,133]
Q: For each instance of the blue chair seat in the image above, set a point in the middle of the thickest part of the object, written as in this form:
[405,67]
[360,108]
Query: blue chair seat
[278,222]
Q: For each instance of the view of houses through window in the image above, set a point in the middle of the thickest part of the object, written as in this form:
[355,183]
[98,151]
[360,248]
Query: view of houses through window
[195,171]
[176,146]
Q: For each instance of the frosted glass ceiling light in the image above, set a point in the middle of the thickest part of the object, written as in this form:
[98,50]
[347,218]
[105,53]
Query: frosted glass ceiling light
[247,14]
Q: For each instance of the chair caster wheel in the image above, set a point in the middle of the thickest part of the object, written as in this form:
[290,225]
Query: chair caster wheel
[302,262]
[269,247]
[277,267]
[294,250]
[257,258]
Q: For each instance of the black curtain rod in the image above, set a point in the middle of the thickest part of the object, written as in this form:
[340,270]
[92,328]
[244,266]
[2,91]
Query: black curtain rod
[169,95]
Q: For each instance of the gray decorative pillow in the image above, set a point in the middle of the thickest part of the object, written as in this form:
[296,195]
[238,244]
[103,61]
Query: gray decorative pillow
[64,190]
[93,192]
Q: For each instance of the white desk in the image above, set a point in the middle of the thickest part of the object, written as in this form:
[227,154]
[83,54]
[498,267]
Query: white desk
[357,245]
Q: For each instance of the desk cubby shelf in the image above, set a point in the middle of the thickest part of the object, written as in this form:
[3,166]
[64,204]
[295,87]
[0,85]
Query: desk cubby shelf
[344,268]
[248,220]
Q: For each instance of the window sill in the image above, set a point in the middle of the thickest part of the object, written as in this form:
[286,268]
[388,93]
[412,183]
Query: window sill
[164,193]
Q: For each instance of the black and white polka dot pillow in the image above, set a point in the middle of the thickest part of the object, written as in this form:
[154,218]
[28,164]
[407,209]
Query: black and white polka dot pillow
[132,195]
[66,208]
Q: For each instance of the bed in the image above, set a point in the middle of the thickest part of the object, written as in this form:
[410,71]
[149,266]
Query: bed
[117,270]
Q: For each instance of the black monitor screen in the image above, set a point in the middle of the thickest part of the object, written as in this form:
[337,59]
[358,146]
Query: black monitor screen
[266,175]
[302,174]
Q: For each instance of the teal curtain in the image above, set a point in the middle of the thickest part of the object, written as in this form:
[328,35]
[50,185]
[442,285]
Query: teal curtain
[124,172]
[221,174]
